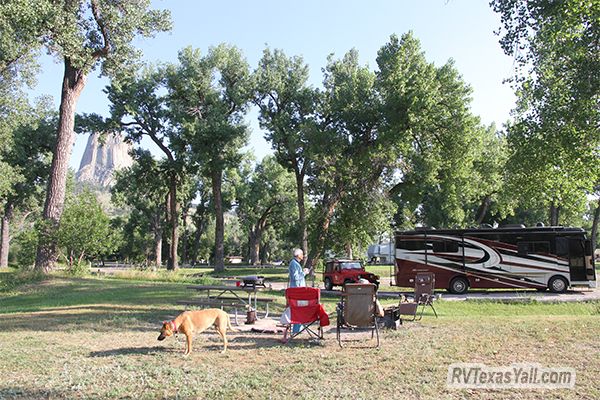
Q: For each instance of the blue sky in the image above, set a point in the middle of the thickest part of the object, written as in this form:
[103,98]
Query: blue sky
[458,29]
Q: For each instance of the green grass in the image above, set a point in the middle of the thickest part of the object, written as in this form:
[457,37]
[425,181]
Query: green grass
[95,337]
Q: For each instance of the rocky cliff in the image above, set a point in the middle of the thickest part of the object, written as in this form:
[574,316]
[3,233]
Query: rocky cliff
[102,158]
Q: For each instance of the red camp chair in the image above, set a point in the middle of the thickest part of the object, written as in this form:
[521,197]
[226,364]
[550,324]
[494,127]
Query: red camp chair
[306,310]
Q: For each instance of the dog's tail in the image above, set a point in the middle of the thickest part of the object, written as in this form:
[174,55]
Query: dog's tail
[229,325]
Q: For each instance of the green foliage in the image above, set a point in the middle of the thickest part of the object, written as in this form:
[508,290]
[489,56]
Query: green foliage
[25,246]
[448,163]
[31,137]
[209,97]
[554,140]
[85,231]
[266,197]
[287,107]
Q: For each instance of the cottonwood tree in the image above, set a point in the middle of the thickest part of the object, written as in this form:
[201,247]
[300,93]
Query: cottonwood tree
[555,137]
[287,113]
[441,144]
[29,154]
[142,188]
[350,152]
[209,97]
[139,107]
[267,193]
[85,34]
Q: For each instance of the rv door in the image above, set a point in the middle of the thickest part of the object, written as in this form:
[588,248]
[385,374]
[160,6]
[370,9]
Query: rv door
[577,260]
[590,269]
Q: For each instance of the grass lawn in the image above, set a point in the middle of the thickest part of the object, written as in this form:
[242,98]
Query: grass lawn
[95,337]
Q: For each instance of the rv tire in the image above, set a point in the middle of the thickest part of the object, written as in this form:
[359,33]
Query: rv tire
[328,284]
[458,285]
[558,284]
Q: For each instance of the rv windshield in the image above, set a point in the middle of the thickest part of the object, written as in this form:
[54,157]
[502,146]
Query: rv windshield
[351,265]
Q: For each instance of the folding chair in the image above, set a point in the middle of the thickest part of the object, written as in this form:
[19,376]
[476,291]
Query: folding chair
[305,309]
[357,309]
[424,296]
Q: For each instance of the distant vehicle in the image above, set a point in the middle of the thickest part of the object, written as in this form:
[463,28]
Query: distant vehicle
[339,272]
[543,258]
[382,253]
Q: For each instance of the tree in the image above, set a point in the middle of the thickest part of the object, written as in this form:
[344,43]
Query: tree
[84,34]
[209,97]
[85,231]
[351,152]
[555,136]
[266,194]
[449,167]
[201,216]
[358,219]
[140,107]
[142,187]
[287,108]
[29,153]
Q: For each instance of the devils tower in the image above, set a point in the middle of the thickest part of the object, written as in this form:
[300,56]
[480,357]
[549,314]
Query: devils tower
[102,158]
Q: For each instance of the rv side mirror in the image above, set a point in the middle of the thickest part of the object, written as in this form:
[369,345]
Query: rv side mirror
[587,248]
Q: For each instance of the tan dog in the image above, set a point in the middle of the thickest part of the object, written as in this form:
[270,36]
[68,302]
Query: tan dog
[190,322]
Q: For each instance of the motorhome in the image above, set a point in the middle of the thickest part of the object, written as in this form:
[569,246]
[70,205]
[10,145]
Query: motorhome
[552,258]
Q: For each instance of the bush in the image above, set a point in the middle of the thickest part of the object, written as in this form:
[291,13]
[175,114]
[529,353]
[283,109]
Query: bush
[11,280]
[25,248]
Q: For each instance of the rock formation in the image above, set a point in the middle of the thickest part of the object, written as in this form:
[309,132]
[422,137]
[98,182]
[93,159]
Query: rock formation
[102,158]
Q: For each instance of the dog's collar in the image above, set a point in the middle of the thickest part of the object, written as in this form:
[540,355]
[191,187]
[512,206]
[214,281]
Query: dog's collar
[174,326]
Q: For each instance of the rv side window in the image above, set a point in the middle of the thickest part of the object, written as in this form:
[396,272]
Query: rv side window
[576,248]
[525,248]
[445,246]
[412,244]
[562,247]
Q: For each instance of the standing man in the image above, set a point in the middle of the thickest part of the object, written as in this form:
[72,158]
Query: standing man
[296,279]
[296,272]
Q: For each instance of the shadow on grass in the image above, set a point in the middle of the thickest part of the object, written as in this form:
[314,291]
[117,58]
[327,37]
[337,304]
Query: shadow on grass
[144,351]
[26,393]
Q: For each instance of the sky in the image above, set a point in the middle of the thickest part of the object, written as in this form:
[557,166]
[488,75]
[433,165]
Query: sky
[459,29]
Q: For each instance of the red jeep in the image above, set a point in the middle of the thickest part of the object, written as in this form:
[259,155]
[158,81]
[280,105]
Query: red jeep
[340,272]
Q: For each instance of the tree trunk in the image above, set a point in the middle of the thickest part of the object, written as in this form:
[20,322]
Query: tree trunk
[216,180]
[73,83]
[264,254]
[158,232]
[254,245]
[5,234]
[554,214]
[197,236]
[349,251]
[317,251]
[184,249]
[301,210]
[595,226]
[483,209]
[173,211]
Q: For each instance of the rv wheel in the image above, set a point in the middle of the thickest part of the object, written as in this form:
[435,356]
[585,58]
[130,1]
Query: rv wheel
[558,284]
[328,284]
[458,285]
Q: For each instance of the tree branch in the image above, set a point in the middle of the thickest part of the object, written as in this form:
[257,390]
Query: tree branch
[103,52]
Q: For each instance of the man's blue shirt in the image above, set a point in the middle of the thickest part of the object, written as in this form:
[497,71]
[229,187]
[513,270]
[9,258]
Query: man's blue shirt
[296,274]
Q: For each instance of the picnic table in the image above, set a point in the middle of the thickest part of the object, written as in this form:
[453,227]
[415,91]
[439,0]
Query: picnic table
[229,296]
